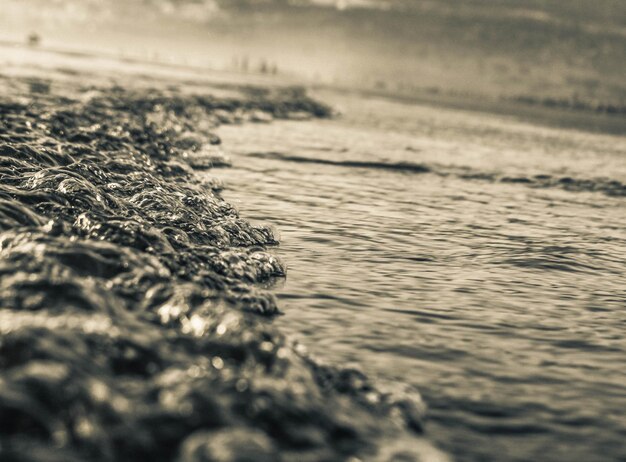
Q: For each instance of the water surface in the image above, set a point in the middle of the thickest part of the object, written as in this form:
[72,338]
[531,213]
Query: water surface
[475,258]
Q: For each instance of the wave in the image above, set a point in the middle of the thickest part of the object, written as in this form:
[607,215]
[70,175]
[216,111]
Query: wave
[399,166]
[606,186]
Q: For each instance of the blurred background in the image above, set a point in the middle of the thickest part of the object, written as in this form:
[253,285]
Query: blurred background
[549,52]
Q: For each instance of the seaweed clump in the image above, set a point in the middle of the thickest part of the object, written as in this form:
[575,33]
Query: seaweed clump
[132,315]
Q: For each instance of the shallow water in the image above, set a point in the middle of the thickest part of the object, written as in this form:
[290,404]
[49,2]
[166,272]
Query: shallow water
[474,257]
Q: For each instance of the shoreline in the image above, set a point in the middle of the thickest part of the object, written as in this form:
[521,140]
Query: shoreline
[132,320]
[599,117]
[537,114]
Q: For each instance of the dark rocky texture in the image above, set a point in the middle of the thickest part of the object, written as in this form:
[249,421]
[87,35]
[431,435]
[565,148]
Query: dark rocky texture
[130,295]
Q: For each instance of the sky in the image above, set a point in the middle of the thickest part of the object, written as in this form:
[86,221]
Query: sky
[57,12]
[66,11]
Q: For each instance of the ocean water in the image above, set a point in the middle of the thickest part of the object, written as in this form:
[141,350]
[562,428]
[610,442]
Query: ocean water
[477,259]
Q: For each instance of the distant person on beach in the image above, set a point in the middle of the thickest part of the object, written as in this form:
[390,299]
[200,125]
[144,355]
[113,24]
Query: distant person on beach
[33,39]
